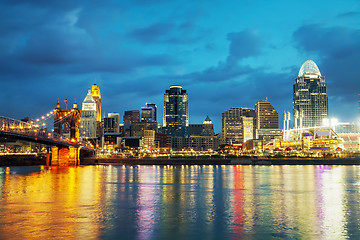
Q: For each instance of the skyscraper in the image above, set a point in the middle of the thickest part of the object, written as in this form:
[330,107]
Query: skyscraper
[129,118]
[111,123]
[266,116]
[148,113]
[97,97]
[154,107]
[88,117]
[310,101]
[176,112]
[237,124]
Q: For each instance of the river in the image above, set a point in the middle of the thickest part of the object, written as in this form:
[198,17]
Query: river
[180,202]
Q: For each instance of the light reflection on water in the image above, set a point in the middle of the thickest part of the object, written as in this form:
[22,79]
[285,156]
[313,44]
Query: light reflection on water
[180,202]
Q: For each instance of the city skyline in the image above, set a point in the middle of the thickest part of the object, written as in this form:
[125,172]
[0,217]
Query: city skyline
[135,50]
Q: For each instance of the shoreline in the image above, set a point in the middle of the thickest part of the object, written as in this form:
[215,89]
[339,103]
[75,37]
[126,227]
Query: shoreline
[32,160]
[230,161]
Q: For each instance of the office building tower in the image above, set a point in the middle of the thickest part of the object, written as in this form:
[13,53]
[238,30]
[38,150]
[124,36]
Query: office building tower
[154,107]
[148,113]
[237,125]
[176,112]
[97,97]
[207,127]
[111,123]
[88,124]
[310,101]
[266,116]
[129,118]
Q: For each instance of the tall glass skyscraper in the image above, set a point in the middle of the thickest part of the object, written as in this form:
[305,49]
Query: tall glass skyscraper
[176,112]
[310,101]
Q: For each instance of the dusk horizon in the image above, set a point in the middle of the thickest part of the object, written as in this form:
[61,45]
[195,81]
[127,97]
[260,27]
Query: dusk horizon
[224,55]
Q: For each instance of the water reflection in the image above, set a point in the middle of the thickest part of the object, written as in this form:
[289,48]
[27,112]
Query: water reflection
[180,202]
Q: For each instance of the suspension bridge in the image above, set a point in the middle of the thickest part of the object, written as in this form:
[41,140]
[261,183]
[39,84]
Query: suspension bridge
[63,144]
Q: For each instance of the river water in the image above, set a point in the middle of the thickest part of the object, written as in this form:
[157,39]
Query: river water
[180,202]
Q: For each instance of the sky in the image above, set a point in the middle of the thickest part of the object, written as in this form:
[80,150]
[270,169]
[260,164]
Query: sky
[224,53]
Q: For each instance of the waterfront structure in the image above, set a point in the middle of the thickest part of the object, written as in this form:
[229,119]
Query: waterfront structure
[176,112]
[237,125]
[97,97]
[88,117]
[111,123]
[266,116]
[268,134]
[310,101]
[311,138]
[350,133]
[66,122]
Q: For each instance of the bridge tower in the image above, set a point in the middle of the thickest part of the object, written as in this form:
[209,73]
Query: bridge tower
[67,121]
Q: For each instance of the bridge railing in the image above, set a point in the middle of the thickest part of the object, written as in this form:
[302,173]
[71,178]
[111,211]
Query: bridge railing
[24,128]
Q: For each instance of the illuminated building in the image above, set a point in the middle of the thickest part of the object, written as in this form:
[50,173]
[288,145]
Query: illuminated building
[149,139]
[176,112]
[66,122]
[97,97]
[148,113]
[88,117]
[208,127]
[266,116]
[237,125]
[310,101]
[350,133]
[202,137]
[137,129]
[111,123]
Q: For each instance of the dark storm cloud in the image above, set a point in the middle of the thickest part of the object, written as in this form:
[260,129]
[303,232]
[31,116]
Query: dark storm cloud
[244,44]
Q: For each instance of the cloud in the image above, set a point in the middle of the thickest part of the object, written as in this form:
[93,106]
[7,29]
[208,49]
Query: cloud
[153,33]
[170,33]
[350,14]
[244,44]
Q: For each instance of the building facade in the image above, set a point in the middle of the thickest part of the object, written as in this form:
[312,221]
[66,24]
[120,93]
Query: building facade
[129,118]
[310,101]
[266,116]
[88,123]
[97,97]
[148,113]
[176,112]
[111,123]
[237,125]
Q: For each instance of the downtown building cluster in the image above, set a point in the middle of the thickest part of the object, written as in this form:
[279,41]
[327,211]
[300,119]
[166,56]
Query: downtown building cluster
[242,129]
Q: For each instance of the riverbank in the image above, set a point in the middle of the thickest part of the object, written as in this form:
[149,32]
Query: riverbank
[22,160]
[33,160]
[226,161]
